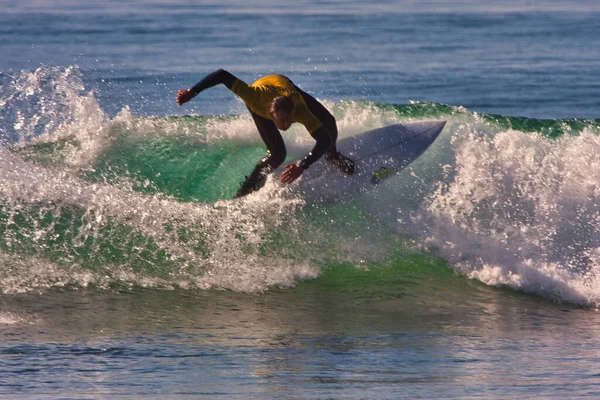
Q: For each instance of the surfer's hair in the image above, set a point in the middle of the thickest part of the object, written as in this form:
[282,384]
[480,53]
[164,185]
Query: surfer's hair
[282,104]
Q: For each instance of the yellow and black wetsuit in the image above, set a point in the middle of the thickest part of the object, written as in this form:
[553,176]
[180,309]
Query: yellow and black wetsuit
[260,94]
[258,97]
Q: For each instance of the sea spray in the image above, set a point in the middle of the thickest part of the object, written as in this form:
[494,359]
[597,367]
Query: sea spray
[128,237]
[52,105]
[521,210]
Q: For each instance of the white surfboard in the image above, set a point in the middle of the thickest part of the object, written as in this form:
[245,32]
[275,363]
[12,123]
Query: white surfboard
[378,155]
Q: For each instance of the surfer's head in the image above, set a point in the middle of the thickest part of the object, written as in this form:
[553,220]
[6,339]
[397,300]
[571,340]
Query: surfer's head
[282,111]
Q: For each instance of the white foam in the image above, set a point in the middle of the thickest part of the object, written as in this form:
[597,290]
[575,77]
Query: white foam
[8,318]
[521,210]
[230,232]
[51,105]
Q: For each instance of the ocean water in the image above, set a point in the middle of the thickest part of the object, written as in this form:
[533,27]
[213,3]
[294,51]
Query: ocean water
[127,272]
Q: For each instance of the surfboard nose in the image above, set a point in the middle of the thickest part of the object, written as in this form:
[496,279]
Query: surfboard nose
[431,129]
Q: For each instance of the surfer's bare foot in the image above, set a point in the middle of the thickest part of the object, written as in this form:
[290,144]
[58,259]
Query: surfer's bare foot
[341,162]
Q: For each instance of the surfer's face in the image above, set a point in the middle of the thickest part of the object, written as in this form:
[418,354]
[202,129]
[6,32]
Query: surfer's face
[282,120]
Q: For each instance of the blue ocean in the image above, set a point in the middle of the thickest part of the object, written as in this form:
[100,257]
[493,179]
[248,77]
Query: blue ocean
[127,271]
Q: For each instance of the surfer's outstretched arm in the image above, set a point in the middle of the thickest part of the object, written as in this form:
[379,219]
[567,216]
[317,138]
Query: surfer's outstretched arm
[210,80]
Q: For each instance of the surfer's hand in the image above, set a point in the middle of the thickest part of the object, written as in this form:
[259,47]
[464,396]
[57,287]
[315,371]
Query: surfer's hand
[291,173]
[183,96]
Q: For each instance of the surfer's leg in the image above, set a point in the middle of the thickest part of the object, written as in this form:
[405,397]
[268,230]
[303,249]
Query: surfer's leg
[274,158]
[342,162]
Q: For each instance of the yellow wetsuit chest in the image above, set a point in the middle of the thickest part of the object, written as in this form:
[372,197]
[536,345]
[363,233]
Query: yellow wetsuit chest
[260,94]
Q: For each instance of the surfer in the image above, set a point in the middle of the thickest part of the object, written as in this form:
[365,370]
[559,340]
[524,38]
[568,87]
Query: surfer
[275,103]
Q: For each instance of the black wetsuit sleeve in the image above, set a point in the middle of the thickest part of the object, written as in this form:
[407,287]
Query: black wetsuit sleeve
[324,142]
[213,79]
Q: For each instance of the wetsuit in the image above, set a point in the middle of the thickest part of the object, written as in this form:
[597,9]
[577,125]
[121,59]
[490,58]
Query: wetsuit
[258,97]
